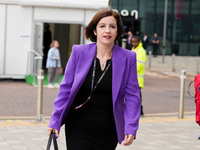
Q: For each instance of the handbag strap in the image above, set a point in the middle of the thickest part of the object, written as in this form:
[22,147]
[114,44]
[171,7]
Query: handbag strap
[52,137]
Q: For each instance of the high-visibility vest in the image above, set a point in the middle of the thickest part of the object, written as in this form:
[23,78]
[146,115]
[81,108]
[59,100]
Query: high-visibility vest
[141,59]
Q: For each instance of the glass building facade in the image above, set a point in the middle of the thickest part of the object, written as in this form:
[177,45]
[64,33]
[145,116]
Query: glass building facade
[182,27]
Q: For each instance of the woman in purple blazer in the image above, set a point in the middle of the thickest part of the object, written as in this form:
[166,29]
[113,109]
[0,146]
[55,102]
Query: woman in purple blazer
[99,100]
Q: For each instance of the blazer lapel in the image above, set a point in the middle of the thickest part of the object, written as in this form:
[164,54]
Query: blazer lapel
[119,62]
[83,65]
[85,62]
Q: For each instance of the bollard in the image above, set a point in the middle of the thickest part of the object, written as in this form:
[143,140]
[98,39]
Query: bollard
[150,54]
[40,78]
[182,94]
[173,62]
[124,43]
[198,65]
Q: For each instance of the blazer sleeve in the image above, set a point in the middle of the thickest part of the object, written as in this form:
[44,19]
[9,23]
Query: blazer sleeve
[132,100]
[63,95]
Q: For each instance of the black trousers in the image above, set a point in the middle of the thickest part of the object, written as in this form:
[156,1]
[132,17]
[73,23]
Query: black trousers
[142,113]
[155,50]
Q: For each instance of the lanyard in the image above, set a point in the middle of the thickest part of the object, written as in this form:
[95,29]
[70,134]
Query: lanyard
[92,84]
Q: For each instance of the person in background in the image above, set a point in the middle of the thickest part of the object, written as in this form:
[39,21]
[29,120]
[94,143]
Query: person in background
[46,45]
[98,102]
[141,59]
[53,64]
[155,44]
[129,40]
[145,41]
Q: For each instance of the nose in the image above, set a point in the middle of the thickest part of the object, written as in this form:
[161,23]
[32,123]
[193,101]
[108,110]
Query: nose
[107,29]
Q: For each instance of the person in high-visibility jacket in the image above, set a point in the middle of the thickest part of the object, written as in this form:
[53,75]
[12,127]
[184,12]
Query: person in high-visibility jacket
[141,59]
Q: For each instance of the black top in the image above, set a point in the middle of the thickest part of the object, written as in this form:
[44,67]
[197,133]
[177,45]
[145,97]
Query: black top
[96,116]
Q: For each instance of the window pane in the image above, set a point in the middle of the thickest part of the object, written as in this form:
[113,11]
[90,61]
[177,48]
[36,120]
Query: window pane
[183,22]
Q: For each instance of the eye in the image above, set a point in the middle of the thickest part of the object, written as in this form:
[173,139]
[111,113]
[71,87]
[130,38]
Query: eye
[113,26]
[101,26]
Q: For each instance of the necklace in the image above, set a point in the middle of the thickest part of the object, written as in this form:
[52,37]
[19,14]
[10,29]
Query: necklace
[103,64]
[103,61]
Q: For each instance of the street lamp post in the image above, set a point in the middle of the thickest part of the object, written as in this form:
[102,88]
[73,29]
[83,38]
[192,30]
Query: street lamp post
[164,31]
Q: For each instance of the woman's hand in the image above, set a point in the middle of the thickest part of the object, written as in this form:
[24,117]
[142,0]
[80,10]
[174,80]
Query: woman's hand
[128,139]
[51,129]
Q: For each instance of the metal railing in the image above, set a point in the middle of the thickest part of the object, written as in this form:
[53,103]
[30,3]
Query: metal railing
[34,63]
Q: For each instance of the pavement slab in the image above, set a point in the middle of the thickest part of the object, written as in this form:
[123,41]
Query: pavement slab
[165,132]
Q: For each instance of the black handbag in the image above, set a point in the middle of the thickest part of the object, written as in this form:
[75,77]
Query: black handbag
[52,137]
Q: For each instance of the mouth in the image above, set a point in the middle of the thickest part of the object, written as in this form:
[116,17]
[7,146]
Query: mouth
[107,36]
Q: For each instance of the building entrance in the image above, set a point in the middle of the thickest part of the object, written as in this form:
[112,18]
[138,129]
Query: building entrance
[65,34]
[44,34]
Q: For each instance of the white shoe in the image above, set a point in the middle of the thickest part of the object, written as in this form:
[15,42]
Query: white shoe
[56,85]
[50,85]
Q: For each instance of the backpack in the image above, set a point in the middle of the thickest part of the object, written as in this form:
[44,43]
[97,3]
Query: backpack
[197,96]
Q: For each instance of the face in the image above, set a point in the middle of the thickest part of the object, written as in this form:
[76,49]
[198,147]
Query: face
[135,42]
[129,33]
[106,30]
[56,44]
[155,35]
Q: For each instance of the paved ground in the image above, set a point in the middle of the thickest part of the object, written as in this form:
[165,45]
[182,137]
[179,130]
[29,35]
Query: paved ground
[160,95]
[189,63]
[159,128]
[155,133]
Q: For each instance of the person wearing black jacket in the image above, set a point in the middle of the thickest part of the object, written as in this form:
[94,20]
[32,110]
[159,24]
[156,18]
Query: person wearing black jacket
[145,41]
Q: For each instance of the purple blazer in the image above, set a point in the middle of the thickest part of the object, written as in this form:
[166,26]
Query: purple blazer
[125,89]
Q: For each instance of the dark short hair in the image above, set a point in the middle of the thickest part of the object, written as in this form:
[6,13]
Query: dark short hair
[136,37]
[89,30]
